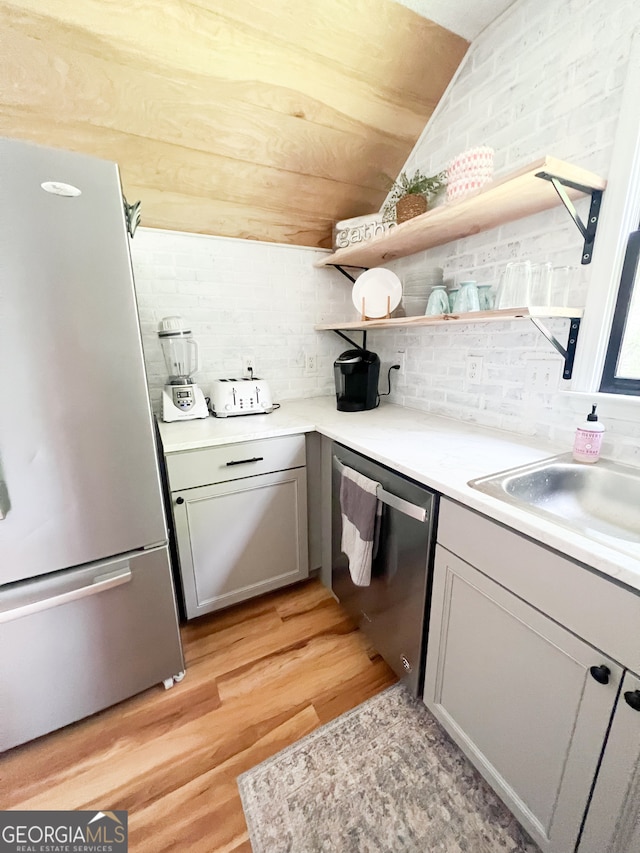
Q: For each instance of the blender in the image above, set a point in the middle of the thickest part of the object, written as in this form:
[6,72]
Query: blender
[182,400]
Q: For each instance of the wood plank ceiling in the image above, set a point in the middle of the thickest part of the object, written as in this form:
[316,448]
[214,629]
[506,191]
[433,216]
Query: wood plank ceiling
[264,120]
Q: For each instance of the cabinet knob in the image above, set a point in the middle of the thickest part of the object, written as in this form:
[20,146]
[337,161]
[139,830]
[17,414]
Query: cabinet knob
[179,500]
[601,673]
[632,698]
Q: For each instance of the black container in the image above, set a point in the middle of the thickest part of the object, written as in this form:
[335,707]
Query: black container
[356,373]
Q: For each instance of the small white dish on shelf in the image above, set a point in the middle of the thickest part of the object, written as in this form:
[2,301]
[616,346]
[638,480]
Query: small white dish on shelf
[376,293]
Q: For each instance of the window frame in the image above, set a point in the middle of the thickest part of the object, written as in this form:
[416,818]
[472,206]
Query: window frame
[611,383]
[619,218]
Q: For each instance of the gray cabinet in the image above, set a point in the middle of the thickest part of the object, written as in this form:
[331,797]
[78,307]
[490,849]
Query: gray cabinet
[613,819]
[517,675]
[514,690]
[240,520]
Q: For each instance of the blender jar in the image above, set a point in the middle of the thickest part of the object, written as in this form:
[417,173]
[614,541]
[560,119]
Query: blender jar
[180,350]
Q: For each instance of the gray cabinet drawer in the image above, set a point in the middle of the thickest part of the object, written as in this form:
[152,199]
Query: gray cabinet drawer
[205,466]
[595,608]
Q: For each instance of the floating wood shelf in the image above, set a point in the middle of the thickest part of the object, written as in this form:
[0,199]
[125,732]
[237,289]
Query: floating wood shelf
[453,319]
[535,314]
[514,196]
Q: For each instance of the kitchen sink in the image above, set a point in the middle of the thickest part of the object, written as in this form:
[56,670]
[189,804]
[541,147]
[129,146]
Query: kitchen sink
[600,500]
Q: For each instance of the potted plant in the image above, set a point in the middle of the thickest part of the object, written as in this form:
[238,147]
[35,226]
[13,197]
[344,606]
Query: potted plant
[409,196]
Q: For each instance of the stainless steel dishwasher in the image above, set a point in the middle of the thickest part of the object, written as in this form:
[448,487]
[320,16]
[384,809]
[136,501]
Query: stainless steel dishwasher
[393,609]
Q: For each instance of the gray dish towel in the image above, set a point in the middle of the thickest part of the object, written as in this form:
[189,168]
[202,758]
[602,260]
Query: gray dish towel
[360,511]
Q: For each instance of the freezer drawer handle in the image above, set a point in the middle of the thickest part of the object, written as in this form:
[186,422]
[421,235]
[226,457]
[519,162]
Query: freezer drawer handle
[100,583]
[244,461]
[406,508]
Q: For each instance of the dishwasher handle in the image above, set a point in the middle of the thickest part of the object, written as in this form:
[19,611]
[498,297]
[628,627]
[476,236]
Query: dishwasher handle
[405,507]
[385,497]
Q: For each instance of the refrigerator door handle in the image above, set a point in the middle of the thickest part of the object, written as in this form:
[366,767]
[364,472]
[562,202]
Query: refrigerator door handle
[100,583]
[5,504]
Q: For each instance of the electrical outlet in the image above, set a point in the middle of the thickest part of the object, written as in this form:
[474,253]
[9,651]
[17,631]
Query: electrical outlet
[550,375]
[543,374]
[248,365]
[474,369]
[310,364]
[400,358]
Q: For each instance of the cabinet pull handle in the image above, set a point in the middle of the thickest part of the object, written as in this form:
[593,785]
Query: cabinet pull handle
[632,698]
[244,461]
[179,500]
[601,673]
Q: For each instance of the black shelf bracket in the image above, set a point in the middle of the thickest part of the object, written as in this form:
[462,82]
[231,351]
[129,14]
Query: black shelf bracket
[588,231]
[353,343]
[345,273]
[568,353]
[364,332]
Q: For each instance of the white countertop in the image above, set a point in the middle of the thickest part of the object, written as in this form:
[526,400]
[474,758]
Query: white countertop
[441,453]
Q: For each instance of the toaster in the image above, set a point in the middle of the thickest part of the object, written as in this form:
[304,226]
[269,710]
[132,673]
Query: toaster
[231,397]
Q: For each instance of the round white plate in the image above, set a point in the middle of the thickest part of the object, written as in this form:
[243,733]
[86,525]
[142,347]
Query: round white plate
[381,290]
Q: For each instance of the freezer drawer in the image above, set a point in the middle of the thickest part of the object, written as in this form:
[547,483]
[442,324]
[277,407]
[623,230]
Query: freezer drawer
[78,641]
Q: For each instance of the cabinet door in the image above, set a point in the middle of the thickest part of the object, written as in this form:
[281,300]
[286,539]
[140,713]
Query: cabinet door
[515,692]
[613,819]
[242,538]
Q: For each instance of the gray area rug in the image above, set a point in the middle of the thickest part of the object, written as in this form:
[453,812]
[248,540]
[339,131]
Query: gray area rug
[382,778]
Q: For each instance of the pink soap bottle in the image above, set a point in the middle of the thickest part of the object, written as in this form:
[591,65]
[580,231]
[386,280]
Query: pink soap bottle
[588,440]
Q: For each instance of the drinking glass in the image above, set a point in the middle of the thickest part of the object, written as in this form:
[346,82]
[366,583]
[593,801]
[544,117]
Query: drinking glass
[562,280]
[540,289]
[515,285]
[438,302]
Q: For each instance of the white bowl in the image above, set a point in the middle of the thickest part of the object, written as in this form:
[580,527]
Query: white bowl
[414,305]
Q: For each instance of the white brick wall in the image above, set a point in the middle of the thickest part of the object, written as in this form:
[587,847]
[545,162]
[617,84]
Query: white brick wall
[545,78]
[240,297]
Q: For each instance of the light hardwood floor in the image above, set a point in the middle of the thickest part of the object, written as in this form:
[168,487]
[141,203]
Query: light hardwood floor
[259,677]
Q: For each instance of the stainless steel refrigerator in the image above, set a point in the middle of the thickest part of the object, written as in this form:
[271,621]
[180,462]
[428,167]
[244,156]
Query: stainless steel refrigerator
[87,605]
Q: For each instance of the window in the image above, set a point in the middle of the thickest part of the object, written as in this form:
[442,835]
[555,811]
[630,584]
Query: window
[621,374]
